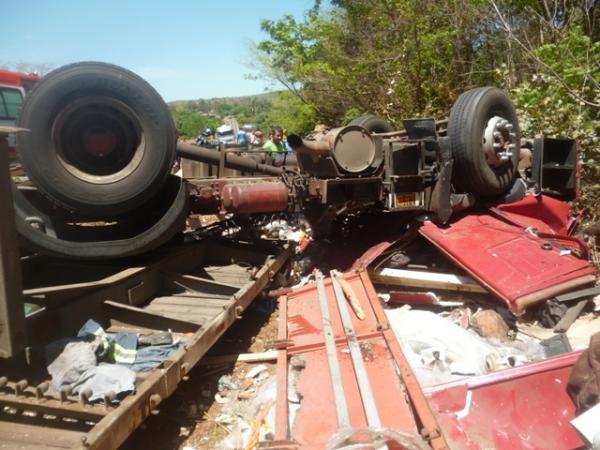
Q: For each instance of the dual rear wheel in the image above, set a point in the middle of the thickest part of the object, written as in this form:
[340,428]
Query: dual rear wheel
[483,133]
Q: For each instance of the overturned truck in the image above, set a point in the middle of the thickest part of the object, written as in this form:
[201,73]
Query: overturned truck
[98,153]
[101,144]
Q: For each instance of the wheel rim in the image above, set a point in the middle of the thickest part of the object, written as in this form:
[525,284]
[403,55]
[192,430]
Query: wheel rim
[499,141]
[98,140]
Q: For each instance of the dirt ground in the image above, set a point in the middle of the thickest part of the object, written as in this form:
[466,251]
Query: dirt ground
[186,419]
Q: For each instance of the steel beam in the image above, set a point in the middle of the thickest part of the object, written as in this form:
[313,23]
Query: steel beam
[12,314]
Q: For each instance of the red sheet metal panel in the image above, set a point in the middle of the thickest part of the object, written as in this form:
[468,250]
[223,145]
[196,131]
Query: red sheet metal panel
[316,421]
[525,407]
[305,326]
[513,263]
[549,214]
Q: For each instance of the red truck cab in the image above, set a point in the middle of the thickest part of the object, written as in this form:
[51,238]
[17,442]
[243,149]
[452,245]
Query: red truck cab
[13,88]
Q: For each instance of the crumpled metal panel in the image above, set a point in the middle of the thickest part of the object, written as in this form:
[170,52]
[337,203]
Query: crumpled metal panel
[525,407]
[315,420]
[517,256]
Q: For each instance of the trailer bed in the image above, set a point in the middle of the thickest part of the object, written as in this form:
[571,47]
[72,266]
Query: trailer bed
[196,291]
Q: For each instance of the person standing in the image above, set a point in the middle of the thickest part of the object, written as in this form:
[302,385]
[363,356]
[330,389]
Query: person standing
[275,142]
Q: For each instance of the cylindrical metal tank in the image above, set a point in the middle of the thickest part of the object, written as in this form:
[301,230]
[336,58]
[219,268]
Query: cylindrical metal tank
[250,198]
[352,149]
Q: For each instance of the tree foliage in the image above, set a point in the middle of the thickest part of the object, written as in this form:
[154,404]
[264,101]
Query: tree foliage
[264,111]
[406,58]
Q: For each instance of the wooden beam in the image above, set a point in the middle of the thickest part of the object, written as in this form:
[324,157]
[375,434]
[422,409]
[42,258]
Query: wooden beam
[428,280]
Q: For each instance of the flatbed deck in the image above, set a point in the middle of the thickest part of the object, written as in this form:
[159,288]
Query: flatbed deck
[195,290]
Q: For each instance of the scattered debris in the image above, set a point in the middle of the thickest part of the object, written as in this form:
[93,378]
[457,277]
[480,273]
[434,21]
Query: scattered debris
[570,316]
[257,370]
[349,294]
[490,324]
[438,350]
[419,298]
[221,399]
[101,366]
[551,312]
[556,345]
[226,383]
[588,427]
[250,421]
[270,355]
[428,280]
[596,301]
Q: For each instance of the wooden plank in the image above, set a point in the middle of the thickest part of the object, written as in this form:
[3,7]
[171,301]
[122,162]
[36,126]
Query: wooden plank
[428,280]
[198,319]
[570,316]
[33,437]
[270,355]
[191,317]
[120,313]
[225,274]
[201,294]
[199,284]
[190,301]
[193,309]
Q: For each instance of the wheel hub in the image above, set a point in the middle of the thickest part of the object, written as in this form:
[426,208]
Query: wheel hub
[499,141]
[98,139]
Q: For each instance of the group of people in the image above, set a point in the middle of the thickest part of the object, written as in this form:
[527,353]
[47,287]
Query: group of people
[277,141]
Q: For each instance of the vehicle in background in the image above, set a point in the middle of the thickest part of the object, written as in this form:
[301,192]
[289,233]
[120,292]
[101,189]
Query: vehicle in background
[13,87]
[204,138]
[226,135]
[228,132]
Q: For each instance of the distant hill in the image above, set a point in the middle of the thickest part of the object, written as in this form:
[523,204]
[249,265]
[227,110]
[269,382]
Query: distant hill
[250,105]
[264,110]
[232,100]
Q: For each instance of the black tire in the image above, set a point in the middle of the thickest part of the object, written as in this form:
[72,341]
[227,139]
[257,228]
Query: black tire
[158,222]
[372,123]
[102,140]
[468,120]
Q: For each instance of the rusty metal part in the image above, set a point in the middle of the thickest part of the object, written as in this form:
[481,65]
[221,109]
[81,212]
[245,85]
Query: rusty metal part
[281,405]
[339,396]
[229,160]
[238,195]
[84,396]
[430,428]
[64,393]
[316,421]
[12,318]
[214,275]
[70,409]
[363,191]
[20,387]
[41,388]
[397,396]
[362,378]
[351,147]
[255,198]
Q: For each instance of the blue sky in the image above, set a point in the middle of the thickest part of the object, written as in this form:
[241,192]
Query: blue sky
[186,49]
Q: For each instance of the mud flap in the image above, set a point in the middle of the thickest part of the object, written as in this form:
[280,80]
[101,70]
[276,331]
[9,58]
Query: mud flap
[440,197]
